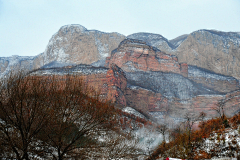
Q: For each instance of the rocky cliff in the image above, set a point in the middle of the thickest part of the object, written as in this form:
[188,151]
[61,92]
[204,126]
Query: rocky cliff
[213,50]
[109,83]
[145,71]
[77,45]
[71,45]
[134,55]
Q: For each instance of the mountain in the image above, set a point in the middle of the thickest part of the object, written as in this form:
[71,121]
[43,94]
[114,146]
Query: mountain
[145,71]
[155,40]
[210,49]
[142,77]
[158,84]
[16,63]
[71,45]
[133,55]
[75,44]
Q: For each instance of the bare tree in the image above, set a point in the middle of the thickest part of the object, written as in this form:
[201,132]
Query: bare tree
[57,117]
[162,129]
[190,120]
[23,114]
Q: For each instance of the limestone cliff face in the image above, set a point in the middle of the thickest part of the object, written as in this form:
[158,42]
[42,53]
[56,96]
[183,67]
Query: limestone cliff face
[77,45]
[72,44]
[213,50]
[134,55]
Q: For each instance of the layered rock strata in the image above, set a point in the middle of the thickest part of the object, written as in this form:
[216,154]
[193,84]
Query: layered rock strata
[213,50]
[109,83]
[212,80]
[134,55]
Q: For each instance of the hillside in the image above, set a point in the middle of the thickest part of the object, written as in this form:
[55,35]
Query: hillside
[213,138]
[161,77]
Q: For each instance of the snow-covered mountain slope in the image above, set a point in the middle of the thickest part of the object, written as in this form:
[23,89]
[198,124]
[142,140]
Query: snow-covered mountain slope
[170,85]
[56,64]
[155,40]
[18,63]
[177,41]
[77,69]
[213,80]
[133,111]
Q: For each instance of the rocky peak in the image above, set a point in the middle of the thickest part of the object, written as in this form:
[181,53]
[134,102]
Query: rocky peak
[136,55]
[155,40]
[72,29]
[218,38]
[213,50]
[75,44]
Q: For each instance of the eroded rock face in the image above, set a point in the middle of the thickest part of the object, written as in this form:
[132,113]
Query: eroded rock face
[155,40]
[109,83]
[117,84]
[75,44]
[213,50]
[145,100]
[71,45]
[160,107]
[19,63]
[232,103]
[212,80]
[134,55]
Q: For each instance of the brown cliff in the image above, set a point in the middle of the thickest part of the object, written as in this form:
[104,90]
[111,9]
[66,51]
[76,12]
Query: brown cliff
[134,55]
[210,49]
[109,83]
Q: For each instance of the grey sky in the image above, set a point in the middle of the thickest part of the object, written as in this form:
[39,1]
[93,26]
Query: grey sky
[27,25]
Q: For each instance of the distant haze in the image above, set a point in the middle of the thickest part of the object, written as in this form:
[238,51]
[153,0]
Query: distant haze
[27,25]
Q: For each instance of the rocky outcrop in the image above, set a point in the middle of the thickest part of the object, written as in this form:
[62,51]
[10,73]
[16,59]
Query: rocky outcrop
[134,55]
[156,93]
[109,83]
[117,84]
[19,63]
[155,40]
[75,44]
[71,45]
[232,103]
[213,50]
[212,80]
[161,107]
[145,100]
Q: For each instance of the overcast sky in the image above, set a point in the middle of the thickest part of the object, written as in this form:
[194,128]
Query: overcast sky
[27,25]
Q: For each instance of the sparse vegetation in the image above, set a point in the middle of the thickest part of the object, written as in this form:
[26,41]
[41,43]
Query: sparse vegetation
[59,118]
[212,139]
